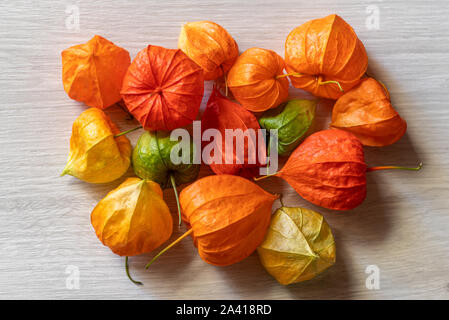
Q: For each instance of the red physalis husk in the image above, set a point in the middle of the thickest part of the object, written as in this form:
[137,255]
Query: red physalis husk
[163,88]
[222,114]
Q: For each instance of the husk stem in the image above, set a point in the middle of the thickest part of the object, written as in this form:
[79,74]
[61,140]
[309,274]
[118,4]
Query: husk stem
[367,170]
[127,131]
[280,200]
[168,247]
[394,168]
[297,74]
[129,276]
[331,81]
[173,183]
[263,177]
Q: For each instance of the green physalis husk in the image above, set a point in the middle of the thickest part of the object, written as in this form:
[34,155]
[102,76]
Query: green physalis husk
[151,161]
[293,120]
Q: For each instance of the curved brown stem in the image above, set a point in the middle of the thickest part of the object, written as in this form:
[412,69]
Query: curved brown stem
[168,247]
[280,199]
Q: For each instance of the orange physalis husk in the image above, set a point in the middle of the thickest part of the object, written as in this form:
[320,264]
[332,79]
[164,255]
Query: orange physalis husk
[210,46]
[97,154]
[228,216]
[256,80]
[93,72]
[366,112]
[325,57]
[163,89]
[133,218]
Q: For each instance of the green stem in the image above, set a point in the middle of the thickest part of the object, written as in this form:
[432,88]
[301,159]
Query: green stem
[394,167]
[129,276]
[297,74]
[331,81]
[173,183]
[127,131]
[168,247]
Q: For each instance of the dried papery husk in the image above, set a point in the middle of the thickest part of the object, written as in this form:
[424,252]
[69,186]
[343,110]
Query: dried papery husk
[366,111]
[325,57]
[328,169]
[96,154]
[133,218]
[210,46]
[93,72]
[254,82]
[163,88]
[228,216]
[222,114]
[152,160]
[298,246]
[292,120]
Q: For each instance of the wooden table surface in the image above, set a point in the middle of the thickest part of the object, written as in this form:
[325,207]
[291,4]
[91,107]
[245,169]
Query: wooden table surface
[45,231]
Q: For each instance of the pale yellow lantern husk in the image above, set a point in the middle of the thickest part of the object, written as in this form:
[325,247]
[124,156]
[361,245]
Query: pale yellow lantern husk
[298,245]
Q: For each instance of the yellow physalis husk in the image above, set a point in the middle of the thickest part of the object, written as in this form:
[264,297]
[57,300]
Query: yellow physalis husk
[133,218]
[96,156]
[298,245]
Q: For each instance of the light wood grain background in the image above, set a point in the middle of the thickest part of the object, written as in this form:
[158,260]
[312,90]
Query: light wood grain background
[402,227]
